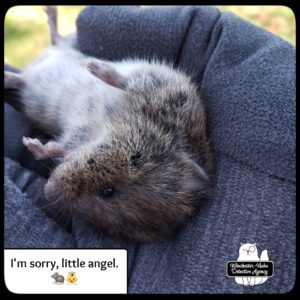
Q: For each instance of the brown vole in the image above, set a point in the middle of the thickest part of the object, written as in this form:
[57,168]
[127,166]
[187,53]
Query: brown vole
[130,138]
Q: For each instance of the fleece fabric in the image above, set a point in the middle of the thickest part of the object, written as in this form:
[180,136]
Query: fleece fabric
[246,77]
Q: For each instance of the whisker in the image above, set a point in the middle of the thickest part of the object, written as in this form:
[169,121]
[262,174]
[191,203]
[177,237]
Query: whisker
[48,204]
[68,220]
[58,215]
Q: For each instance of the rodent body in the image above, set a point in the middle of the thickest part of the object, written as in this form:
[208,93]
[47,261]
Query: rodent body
[131,137]
[58,278]
[66,111]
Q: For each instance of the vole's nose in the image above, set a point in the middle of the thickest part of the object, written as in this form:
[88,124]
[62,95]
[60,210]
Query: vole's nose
[54,190]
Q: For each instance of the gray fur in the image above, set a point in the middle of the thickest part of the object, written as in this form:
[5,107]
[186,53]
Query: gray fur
[138,126]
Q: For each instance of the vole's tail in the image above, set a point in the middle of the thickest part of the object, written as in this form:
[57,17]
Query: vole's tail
[51,12]
[56,38]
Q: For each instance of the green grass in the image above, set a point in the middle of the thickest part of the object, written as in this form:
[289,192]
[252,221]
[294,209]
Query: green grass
[26,30]
[279,20]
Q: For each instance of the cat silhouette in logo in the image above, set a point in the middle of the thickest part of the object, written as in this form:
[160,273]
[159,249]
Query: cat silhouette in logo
[248,252]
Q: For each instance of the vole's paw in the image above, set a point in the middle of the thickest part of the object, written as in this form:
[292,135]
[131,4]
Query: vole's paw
[28,142]
[105,72]
[35,147]
[95,66]
[40,151]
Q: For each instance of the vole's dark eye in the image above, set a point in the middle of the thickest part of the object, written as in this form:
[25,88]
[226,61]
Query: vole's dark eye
[107,191]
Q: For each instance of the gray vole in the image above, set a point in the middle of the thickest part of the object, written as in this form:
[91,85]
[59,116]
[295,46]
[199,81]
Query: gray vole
[59,279]
[130,138]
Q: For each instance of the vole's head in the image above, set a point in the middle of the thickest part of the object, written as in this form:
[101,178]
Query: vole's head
[136,183]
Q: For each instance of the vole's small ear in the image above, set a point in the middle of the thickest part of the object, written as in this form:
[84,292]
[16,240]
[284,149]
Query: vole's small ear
[196,178]
[13,80]
[242,244]
[106,73]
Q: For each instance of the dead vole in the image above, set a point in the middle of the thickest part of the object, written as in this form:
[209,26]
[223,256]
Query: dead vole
[129,137]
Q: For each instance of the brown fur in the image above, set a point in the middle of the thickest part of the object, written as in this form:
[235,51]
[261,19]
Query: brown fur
[147,156]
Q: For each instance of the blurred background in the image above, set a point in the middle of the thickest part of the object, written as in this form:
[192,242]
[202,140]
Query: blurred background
[26,30]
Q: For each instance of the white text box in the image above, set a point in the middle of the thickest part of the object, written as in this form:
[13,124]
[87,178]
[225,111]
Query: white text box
[88,270]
